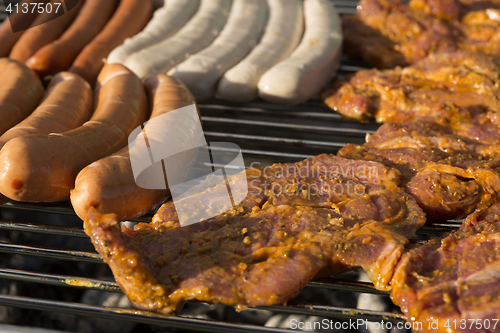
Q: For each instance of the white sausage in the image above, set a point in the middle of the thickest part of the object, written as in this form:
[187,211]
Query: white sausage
[197,34]
[314,62]
[283,32]
[165,23]
[201,72]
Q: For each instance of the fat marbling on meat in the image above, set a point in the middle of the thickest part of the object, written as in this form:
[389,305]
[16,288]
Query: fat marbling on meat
[390,33]
[452,284]
[319,216]
[436,86]
[450,171]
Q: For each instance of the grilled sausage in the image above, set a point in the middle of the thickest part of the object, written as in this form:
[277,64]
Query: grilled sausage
[283,32]
[130,18]
[42,34]
[202,71]
[20,93]
[66,105]
[44,167]
[314,62]
[166,21]
[197,34]
[60,54]
[108,184]
[21,21]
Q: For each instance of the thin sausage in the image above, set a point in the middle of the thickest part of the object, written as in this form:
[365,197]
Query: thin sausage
[165,23]
[67,104]
[20,93]
[201,72]
[130,18]
[108,184]
[314,62]
[21,21]
[283,32]
[42,34]
[60,54]
[38,168]
[197,34]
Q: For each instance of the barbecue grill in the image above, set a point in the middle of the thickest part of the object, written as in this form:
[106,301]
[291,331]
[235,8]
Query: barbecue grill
[267,134]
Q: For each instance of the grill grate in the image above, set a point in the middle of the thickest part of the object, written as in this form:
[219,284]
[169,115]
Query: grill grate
[267,134]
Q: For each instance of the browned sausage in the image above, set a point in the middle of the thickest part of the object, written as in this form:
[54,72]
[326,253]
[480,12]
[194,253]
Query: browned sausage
[108,185]
[20,93]
[21,21]
[129,19]
[44,167]
[60,54]
[42,34]
[66,105]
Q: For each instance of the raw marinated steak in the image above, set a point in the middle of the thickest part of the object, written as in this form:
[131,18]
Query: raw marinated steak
[319,216]
[449,172]
[390,33]
[452,284]
[439,86]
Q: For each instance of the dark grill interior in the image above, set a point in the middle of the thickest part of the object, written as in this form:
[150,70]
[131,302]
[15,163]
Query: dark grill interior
[266,134]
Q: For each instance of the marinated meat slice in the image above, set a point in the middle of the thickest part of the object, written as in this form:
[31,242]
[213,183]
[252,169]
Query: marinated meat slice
[389,33]
[452,284]
[319,216]
[446,86]
[444,169]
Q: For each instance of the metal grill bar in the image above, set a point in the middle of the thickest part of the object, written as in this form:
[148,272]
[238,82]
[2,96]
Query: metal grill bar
[132,315]
[336,312]
[50,253]
[43,229]
[294,127]
[59,280]
[270,132]
[96,284]
[269,139]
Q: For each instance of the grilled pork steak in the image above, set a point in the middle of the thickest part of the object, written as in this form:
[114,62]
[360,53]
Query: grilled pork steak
[319,216]
[452,284]
[437,86]
[388,33]
[448,171]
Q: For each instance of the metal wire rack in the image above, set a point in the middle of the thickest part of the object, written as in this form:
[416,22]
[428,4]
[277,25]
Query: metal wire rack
[267,134]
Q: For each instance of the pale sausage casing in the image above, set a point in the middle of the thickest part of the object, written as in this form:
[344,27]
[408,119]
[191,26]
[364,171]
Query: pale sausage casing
[44,167]
[20,93]
[166,21]
[282,35]
[314,62]
[108,184]
[202,71]
[197,34]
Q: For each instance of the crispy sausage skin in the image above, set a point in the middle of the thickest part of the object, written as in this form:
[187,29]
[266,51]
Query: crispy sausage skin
[20,93]
[66,105]
[41,33]
[129,19]
[108,184]
[60,54]
[38,168]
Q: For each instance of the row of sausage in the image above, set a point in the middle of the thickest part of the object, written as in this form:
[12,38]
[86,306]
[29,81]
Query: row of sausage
[284,51]
[51,149]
